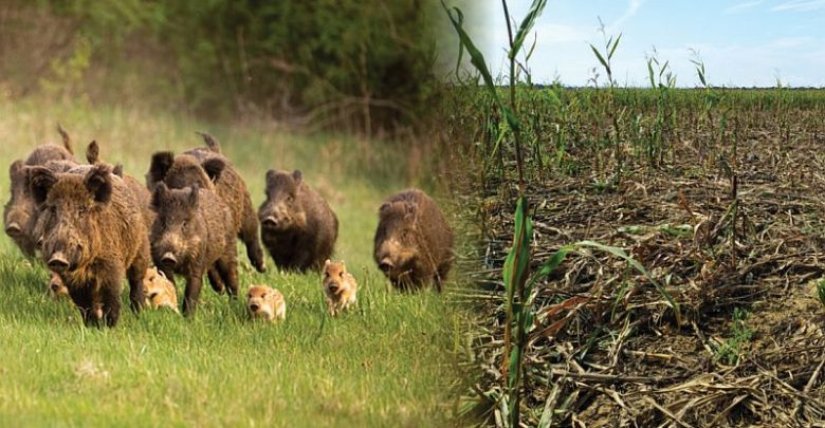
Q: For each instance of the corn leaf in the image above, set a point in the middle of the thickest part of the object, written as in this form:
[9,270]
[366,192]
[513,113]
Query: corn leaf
[600,58]
[476,57]
[615,45]
[526,25]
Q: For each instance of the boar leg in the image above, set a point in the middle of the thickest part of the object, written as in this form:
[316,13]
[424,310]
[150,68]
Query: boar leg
[441,276]
[110,296]
[135,275]
[215,280]
[249,236]
[228,269]
[194,283]
[169,273]
[302,260]
[82,298]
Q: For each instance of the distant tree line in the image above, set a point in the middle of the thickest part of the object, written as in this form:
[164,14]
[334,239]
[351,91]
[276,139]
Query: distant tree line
[361,64]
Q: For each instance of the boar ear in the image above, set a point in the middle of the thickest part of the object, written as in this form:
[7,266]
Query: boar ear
[15,168]
[270,178]
[327,263]
[118,170]
[193,195]
[297,176]
[93,153]
[161,162]
[41,180]
[384,207]
[214,167]
[99,183]
[159,195]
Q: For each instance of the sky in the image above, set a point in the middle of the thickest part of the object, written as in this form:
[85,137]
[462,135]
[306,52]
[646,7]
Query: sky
[742,42]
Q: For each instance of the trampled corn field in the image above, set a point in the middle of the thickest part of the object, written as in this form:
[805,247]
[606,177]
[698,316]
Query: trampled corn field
[717,194]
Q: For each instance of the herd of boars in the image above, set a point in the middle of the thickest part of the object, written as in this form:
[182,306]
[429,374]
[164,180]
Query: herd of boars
[92,225]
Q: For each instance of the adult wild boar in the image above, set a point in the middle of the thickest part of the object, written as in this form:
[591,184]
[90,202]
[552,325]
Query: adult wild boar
[20,213]
[93,236]
[298,227]
[413,242]
[209,169]
[192,234]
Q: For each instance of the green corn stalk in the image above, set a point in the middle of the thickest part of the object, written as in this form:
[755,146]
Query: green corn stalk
[662,81]
[519,283]
[517,263]
[605,59]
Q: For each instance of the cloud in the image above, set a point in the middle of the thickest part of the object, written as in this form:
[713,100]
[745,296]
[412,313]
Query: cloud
[790,42]
[791,58]
[740,7]
[630,12]
[799,6]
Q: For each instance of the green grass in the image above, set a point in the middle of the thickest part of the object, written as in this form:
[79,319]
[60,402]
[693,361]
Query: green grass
[390,362]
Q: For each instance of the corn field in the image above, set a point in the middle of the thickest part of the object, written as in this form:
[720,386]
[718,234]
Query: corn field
[646,256]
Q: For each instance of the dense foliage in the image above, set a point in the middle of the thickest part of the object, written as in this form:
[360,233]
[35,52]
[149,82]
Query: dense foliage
[365,64]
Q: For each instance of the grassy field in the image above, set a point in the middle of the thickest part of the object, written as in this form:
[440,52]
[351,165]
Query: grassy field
[390,362]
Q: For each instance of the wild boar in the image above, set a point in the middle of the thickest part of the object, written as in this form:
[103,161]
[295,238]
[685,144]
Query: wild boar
[20,214]
[191,234]
[265,303]
[340,288]
[159,290]
[413,242]
[298,227]
[208,168]
[93,236]
[56,287]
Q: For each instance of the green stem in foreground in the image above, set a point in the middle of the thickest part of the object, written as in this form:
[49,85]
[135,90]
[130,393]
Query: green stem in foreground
[513,103]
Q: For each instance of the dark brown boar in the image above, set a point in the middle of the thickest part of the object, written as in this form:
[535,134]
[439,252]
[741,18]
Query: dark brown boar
[298,227]
[191,235]
[208,168]
[94,235]
[19,214]
[413,242]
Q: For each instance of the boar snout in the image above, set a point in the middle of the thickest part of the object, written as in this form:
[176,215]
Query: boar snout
[58,262]
[386,265]
[169,259]
[271,221]
[13,229]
